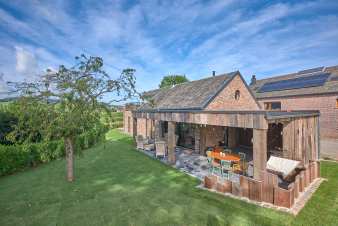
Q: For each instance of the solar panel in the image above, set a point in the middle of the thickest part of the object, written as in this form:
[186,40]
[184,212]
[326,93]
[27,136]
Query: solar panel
[312,70]
[296,83]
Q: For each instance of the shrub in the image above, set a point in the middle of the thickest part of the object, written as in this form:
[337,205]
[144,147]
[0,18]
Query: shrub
[50,150]
[33,156]
[7,122]
[12,158]
[16,157]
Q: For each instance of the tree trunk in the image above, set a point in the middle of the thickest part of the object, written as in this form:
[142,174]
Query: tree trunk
[69,146]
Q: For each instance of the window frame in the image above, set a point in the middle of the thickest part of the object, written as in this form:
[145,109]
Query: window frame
[237,94]
[268,106]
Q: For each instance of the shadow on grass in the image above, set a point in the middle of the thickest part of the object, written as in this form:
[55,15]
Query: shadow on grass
[133,177]
[118,185]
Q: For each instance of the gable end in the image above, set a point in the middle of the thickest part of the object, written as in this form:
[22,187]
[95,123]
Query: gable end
[235,95]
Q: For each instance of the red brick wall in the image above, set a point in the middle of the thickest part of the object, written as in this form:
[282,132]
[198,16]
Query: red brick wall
[226,98]
[128,128]
[142,127]
[325,104]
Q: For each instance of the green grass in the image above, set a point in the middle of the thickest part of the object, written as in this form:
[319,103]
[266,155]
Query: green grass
[117,185]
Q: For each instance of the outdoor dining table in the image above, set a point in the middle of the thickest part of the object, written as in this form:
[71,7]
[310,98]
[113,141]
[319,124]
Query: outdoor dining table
[225,156]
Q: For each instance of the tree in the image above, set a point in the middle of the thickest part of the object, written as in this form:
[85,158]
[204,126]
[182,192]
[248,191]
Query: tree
[172,80]
[68,100]
[7,120]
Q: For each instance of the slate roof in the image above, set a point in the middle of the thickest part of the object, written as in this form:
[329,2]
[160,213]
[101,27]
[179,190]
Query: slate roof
[189,95]
[330,86]
[150,93]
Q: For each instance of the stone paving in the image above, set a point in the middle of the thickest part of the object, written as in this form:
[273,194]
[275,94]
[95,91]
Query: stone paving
[188,162]
[191,163]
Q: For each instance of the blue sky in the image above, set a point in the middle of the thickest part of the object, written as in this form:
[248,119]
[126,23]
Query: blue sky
[168,37]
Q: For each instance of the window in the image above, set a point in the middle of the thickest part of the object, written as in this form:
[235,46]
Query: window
[270,106]
[237,95]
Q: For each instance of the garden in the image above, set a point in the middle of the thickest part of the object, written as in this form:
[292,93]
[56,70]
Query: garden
[118,185]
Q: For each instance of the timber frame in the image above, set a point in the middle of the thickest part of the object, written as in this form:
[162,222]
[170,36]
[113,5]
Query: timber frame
[301,142]
[299,132]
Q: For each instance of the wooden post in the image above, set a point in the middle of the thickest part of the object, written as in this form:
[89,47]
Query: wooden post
[157,130]
[134,127]
[259,151]
[197,133]
[171,142]
[270,181]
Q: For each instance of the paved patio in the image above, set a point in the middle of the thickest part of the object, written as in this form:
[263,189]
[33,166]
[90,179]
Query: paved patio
[187,161]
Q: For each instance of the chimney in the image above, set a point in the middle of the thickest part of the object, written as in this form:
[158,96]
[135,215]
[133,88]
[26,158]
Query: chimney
[213,73]
[253,80]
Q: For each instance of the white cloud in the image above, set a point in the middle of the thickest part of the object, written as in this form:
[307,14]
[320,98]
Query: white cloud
[26,63]
[159,37]
[3,86]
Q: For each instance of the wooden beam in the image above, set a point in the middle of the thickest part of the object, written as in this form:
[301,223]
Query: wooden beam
[230,119]
[171,142]
[259,151]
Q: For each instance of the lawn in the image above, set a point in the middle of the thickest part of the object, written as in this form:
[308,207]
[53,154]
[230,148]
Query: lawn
[117,185]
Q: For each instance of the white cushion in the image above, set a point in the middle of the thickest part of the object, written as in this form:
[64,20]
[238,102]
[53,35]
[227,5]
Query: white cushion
[282,165]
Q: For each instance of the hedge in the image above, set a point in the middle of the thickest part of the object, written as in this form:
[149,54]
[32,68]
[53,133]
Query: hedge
[17,157]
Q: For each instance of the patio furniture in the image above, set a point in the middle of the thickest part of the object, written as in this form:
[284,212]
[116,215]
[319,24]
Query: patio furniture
[242,155]
[149,147]
[236,167]
[210,164]
[160,149]
[282,166]
[226,166]
[140,142]
[228,150]
[218,149]
[244,166]
[216,168]
[250,169]
[225,156]
[208,149]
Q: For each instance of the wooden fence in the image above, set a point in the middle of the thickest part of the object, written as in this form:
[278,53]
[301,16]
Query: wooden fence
[267,190]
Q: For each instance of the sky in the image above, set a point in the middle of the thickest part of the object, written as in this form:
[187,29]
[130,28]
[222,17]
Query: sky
[158,38]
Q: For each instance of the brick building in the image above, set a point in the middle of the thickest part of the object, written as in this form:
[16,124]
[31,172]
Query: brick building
[222,113]
[128,124]
[315,89]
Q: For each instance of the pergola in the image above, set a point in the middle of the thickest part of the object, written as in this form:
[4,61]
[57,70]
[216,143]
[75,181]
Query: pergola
[300,130]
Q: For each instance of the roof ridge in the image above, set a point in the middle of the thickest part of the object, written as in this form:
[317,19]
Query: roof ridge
[210,77]
[193,94]
[225,74]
